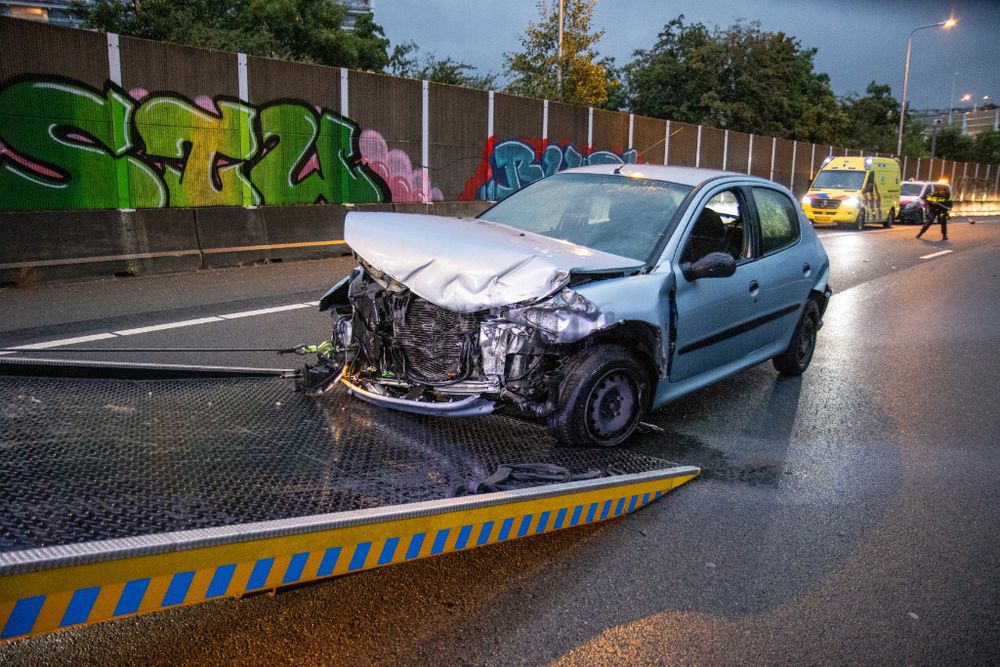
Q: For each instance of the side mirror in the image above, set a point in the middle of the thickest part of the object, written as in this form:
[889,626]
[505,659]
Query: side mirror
[712,265]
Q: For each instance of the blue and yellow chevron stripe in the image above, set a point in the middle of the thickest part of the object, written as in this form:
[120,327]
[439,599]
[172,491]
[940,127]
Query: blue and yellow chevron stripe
[46,600]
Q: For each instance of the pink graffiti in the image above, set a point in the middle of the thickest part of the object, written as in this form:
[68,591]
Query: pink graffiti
[395,168]
[39,169]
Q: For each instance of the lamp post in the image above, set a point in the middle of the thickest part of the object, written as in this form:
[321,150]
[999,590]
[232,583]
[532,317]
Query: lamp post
[951,100]
[950,23]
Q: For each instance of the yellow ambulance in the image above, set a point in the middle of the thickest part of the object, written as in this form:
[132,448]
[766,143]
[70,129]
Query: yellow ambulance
[854,191]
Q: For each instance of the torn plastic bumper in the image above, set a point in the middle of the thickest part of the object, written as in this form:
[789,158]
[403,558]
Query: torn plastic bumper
[469,406]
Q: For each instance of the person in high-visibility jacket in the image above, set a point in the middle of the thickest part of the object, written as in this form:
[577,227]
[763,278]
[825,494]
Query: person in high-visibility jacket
[939,202]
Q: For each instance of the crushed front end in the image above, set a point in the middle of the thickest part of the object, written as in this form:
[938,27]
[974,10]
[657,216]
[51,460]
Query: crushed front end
[399,350]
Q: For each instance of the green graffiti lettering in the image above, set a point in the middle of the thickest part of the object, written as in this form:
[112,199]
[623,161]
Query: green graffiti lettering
[66,148]
[64,145]
[201,151]
[309,158]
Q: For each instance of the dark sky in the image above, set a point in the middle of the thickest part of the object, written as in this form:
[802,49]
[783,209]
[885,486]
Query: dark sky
[857,40]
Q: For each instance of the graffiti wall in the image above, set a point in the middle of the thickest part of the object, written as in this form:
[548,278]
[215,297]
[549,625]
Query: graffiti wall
[510,164]
[64,145]
[114,122]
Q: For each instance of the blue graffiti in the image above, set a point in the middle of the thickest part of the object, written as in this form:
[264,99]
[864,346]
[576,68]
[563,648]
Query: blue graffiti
[513,165]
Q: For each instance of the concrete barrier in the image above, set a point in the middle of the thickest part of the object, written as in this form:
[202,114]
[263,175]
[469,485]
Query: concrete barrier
[64,245]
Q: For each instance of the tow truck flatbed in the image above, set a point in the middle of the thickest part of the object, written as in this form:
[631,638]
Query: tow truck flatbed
[129,488]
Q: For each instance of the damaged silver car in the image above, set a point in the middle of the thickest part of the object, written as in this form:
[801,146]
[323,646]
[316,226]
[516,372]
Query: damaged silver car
[586,299]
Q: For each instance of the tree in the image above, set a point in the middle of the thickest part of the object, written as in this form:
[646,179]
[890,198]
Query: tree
[873,119]
[404,61]
[740,78]
[303,30]
[952,144]
[987,147]
[534,71]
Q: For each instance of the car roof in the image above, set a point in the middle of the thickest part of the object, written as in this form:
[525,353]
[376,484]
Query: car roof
[684,175]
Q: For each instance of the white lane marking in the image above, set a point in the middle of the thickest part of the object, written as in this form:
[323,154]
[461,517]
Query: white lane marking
[66,341]
[264,311]
[168,325]
[62,341]
[160,327]
[936,254]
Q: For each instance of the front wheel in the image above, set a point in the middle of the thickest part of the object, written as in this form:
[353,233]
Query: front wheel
[859,224]
[603,395]
[796,357]
[887,223]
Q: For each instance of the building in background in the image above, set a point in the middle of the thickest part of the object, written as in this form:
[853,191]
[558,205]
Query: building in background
[356,8]
[47,11]
[971,121]
[57,11]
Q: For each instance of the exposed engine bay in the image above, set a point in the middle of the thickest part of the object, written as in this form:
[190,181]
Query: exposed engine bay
[397,345]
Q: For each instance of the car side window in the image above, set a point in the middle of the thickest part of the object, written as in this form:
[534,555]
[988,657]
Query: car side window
[779,221]
[720,227]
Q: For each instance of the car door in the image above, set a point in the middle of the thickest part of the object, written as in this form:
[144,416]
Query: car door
[786,266]
[711,314]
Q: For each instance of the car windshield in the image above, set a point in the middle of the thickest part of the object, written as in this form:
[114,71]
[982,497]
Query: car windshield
[911,189]
[839,180]
[616,214]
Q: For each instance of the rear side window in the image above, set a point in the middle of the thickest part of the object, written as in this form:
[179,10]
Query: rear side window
[779,222]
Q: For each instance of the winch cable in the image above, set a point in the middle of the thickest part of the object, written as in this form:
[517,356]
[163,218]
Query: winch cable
[301,350]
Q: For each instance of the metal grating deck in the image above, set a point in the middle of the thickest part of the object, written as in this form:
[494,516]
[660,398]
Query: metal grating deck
[98,459]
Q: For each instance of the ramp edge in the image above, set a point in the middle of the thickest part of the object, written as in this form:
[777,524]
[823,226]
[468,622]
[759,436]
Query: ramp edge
[31,560]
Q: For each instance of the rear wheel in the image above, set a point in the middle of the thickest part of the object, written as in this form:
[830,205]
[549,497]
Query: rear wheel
[604,393]
[796,357]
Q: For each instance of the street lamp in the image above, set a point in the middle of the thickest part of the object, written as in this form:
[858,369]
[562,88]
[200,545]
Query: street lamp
[950,23]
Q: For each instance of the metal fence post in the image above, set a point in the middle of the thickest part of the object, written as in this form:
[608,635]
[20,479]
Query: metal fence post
[750,154]
[725,150]
[812,163]
[490,102]
[590,128]
[545,120]
[774,151]
[345,107]
[118,131]
[697,150]
[631,130]
[666,145]
[425,148]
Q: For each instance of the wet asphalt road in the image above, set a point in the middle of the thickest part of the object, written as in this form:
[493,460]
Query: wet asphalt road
[851,515]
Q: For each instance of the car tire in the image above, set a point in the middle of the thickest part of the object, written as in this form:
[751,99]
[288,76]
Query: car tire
[796,357]
[603,395]
[859,223]
[887,223]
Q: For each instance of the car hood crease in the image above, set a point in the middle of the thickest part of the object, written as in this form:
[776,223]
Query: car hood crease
[467,264]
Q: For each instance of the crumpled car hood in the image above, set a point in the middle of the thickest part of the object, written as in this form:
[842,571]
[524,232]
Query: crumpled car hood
[466,264]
